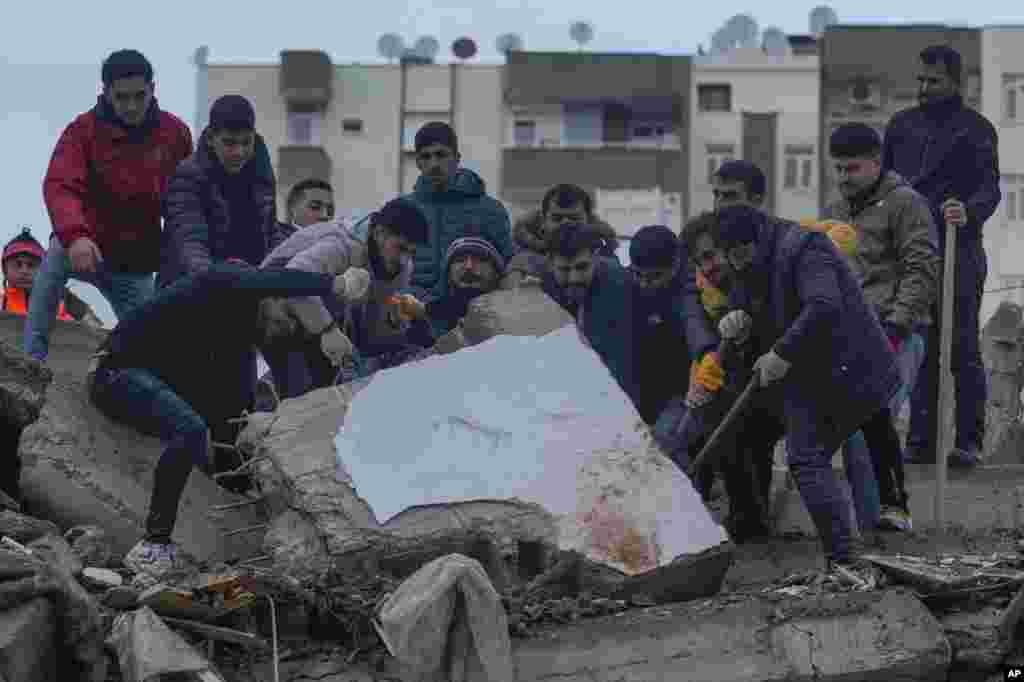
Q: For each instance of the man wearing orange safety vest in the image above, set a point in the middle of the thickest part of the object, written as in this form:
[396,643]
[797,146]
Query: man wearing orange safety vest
[21,259]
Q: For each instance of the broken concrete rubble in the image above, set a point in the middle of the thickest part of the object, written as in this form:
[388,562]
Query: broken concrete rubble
[79,468]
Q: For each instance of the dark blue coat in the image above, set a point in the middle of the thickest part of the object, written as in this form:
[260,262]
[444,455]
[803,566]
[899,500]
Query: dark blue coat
[198,226]
[673,332]
[952,151]
[814,315]
[191,333]
[608,321]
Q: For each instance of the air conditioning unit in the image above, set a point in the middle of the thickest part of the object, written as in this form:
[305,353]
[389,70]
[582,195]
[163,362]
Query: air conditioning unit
[865,95]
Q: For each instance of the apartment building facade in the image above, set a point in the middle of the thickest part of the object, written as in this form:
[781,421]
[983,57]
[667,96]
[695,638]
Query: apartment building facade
[750,104]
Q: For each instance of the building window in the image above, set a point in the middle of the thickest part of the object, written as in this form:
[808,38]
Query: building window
[1011,205]
[524,133]
[717,155]
[799,166]
[583,125]
[1013,87]
[304,128]
[717,97]
[352,125]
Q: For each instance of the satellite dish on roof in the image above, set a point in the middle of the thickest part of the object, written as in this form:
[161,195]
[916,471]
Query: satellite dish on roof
[426,47]
[822,17]
[390,46]
[507,42]
[581,32]
[200,56]
[720,41]
[464,48]
[775,42]
[743,30]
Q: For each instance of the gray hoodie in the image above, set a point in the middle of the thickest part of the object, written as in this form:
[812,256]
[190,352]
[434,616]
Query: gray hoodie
[330,248]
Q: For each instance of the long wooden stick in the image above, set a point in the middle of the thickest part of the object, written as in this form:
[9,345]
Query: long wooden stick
[944,437]
[725,425]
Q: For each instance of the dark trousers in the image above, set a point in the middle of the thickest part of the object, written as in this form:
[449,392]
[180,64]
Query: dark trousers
[967,366]
[887,458]
[748,462]
[298,366]
[10,460]
[141,400]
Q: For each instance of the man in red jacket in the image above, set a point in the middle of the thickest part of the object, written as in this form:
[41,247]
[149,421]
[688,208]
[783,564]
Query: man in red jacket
[103,190]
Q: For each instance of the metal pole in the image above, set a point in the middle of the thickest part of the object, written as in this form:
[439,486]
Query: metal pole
[944,437]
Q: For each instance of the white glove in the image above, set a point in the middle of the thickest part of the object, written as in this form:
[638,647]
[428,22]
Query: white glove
[771,367]
[352,286]
[277,322]
[336,346]
[735,326]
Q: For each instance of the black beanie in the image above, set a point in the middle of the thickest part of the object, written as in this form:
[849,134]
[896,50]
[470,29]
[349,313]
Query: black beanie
[852,140]
[738,224]
[404,218]
[654,246]
[436,132]
[126,64]
[232,112]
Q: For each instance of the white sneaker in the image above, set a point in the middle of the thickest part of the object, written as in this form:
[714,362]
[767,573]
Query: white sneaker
[153,558]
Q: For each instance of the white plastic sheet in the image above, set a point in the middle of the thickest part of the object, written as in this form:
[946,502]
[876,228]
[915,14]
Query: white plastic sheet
[539,419]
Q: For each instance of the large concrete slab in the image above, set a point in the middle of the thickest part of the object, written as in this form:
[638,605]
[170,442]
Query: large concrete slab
[879,636]
[27,642]
[80,468]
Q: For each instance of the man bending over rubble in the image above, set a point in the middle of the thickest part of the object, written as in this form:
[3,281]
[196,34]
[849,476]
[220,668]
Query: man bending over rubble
[829,359]
[599,294]
[383,265]
[150,375]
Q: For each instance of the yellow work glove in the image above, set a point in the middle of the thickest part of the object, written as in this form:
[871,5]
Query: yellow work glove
[409,307]
[714,301]
[843,235]
[709,372]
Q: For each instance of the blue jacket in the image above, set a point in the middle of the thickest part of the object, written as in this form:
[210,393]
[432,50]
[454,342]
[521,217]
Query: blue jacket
[812,312]
[464,209]
[949,152]
[673,330]
[211,318]
[198,225]
[608,321]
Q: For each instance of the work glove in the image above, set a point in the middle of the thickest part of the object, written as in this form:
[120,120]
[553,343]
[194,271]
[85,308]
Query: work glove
[735,327]
[84,255]
[452,341]
[352,286]
[770,368]
[954,211]
[335,346]
[706,379]
[407,307]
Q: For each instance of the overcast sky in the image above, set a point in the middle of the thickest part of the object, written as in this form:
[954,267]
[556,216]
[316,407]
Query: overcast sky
[50,51]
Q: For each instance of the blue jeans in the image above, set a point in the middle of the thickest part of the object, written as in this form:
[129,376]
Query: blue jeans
[861,470]
[124,291]
[139,399]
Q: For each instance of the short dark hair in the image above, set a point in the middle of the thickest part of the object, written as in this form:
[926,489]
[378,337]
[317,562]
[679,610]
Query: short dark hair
[436,132]
[300,188]
[852,140]
[566,195]
[705,223]
[126,64]
[948,57]
[569,239]
[741,170]
[404,218]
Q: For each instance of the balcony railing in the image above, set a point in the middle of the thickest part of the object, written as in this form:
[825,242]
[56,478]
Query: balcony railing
[666,142]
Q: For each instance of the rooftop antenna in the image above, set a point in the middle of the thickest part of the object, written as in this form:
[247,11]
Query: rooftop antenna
[390,46]
[508,42]
[582,32]
[822,17]
[426,48]
[464,48]
[201,55]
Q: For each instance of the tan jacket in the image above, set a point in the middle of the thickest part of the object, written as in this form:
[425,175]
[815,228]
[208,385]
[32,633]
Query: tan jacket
[532,256]
[897,258]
